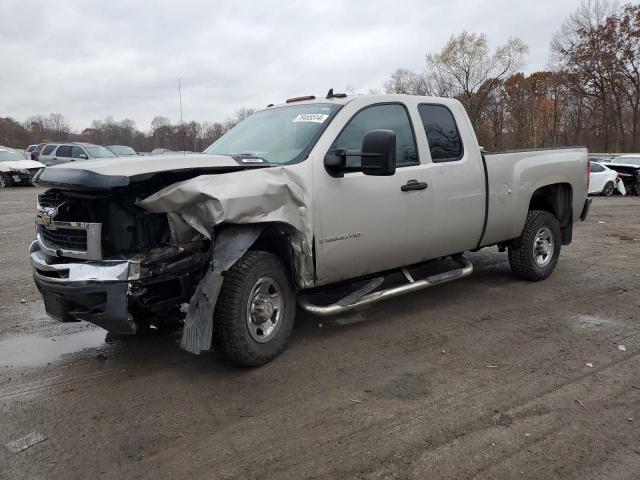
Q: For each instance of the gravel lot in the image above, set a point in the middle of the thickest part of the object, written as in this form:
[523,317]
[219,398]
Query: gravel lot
[489,377]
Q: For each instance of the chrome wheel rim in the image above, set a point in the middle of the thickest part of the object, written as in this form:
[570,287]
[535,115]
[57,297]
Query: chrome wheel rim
[543,247]
[264,309]
[3,182]
[608,189]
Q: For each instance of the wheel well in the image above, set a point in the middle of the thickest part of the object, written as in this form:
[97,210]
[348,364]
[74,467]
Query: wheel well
[276,239]
[556,199]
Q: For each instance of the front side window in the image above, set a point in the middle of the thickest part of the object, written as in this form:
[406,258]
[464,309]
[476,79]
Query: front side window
[388,117]
[442,132]
[78,152]
[64,151]
[279,135]
[96,151]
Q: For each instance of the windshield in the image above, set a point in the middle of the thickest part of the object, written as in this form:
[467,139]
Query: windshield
[280,135]
[99,152]
[7,154]
[122,150]
[628,160]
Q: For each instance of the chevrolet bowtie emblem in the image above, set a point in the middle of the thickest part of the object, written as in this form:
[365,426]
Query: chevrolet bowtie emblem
[46,219]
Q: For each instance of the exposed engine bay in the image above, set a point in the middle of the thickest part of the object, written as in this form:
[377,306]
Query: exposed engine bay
[165,257]
[128,255]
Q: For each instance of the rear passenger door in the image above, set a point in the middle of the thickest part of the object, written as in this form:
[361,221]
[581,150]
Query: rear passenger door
[598,178]
[456,177]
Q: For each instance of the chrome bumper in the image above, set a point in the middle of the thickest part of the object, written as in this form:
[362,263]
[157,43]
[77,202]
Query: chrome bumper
[96,292]
[50,268]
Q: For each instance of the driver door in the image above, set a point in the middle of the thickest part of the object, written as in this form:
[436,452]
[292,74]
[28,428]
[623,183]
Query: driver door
[367,224]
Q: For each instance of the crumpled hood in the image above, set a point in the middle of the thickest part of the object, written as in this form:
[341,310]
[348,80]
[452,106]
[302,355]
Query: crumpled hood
[272,195]
[121,171]
[13,165]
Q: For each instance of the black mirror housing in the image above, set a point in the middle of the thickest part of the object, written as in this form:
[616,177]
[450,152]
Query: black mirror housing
[379,153]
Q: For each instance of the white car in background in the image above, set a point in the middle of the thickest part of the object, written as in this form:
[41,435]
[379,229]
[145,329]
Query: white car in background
[604,181]
[14,169]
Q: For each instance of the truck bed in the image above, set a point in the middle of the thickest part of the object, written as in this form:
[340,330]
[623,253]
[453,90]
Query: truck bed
[512,178]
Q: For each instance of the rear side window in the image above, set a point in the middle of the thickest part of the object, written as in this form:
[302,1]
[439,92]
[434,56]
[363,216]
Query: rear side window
[442,132]
[48,149]
[386,116]
[596,167]
[63,151]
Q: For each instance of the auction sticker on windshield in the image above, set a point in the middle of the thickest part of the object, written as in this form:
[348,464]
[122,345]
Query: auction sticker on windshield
[311,117]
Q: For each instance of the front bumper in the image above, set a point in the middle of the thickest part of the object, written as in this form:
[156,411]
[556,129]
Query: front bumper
[95,292]
[20,177]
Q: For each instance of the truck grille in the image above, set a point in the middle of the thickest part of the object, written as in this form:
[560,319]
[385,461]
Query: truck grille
[66,238]
[48,199]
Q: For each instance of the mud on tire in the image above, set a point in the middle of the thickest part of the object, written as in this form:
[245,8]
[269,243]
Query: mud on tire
[255,313]
[531,257]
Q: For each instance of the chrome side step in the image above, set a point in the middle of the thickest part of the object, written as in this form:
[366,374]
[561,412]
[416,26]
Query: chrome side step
[367,298]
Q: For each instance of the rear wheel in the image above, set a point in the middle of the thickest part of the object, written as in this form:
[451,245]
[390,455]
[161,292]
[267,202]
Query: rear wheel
[608,189]
[255,312]
[535,254]
[5,180]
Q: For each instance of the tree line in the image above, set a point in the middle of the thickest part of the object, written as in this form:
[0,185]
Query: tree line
[190,136]
[590,94]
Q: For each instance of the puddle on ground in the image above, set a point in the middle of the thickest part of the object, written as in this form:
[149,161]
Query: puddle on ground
[35,351]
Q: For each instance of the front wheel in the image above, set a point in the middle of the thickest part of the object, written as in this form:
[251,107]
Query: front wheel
[535,254]
[256,309]
[608,189]
[5,180]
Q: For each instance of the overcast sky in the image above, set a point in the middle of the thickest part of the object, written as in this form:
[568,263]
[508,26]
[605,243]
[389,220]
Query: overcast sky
[88,60]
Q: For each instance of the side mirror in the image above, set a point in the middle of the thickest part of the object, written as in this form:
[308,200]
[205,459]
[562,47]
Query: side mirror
[83,156]
[378,154]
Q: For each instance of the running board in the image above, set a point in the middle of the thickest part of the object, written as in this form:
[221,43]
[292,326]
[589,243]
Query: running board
[366,299]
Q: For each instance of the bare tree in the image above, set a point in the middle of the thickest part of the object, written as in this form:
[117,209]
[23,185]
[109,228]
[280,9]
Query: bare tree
[471,71]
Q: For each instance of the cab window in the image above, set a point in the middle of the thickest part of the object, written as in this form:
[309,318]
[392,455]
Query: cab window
[442,132]
[387,116]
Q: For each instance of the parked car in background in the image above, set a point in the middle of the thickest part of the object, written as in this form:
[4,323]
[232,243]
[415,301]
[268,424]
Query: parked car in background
[601,158]
[30,148]
[35,153]
[57,153]
[122,150]
[160,151]
[15,169]
[628,166]
[604,181]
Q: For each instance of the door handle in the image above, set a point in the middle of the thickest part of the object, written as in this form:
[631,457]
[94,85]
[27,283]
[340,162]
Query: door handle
[414,185]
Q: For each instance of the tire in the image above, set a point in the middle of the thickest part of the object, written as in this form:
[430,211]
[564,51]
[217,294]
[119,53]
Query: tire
[535,254]
[255,312]
[5,180]
[608,189]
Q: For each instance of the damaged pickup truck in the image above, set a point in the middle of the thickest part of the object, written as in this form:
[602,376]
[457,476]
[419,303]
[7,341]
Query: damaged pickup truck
[330,204]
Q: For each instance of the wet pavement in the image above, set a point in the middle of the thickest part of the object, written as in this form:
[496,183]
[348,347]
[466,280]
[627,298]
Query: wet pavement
[489,377]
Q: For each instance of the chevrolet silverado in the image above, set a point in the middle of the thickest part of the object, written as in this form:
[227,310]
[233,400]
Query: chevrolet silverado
[328,204]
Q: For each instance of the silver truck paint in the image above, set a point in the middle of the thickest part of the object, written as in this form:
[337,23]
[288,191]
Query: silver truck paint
[340,228]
